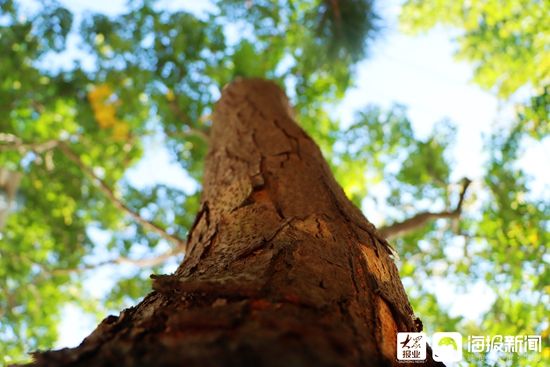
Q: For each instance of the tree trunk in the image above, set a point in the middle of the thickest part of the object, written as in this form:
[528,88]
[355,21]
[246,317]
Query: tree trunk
[281,269]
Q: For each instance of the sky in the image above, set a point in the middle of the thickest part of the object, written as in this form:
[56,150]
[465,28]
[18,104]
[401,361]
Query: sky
[418,72]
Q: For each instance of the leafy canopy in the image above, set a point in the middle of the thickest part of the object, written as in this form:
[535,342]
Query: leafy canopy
[506,41]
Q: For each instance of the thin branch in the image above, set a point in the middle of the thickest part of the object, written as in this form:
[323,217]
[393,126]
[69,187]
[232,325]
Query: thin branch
[465,184]
[183,134]
[419,220]
[141,263]
[102,185]
[46,271]
[145,262]
[337,14]
[11,142]
[182,116]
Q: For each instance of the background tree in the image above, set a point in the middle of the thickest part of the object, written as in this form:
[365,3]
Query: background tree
[508,44]
[72,129]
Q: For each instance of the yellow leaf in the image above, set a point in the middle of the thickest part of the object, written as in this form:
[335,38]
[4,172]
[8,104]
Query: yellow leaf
[105,111]
[121,131]
[100,93]
[170,96]
[105,116]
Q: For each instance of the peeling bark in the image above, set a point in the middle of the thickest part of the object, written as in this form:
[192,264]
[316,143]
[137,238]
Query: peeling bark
[281,268]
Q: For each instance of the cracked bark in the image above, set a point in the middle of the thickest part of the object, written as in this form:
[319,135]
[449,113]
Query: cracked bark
[281,268]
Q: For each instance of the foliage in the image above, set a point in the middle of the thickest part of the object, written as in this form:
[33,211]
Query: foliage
[75,129]
[507,42]
[505,243]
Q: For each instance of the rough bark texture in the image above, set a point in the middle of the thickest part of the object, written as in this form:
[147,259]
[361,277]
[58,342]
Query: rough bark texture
[281,268]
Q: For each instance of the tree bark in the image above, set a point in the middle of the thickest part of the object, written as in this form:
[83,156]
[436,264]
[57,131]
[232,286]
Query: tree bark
[281,269]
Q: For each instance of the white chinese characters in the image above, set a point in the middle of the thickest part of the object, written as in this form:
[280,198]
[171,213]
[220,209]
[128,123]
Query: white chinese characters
[447,346]
[505,344]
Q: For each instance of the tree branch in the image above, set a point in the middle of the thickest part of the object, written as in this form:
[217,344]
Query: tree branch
[102,185]
[419,220]
[144,262]
[11,142]
[182,116]
[141,263]
[183,134]
[46,271]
